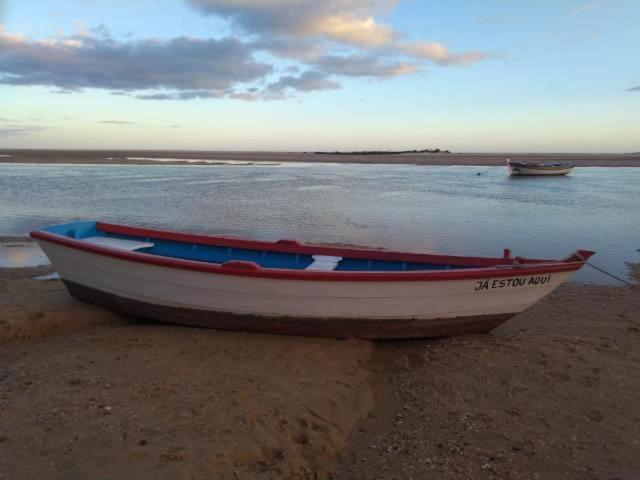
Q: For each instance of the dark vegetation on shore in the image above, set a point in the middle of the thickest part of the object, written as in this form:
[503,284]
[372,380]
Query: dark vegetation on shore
[384,152]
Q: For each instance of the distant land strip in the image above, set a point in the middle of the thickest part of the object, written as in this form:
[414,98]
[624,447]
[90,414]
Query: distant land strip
[200,157]
[384,152]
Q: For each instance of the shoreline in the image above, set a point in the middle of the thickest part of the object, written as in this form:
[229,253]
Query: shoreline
[118,397]
[119,157]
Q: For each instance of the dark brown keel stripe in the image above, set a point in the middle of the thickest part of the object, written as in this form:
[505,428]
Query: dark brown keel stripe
[313,327]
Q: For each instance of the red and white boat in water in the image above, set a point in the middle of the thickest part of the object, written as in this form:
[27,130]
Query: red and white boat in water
[292,288]
[538,169]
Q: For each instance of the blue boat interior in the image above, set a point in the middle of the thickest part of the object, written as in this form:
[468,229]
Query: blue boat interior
[221,254]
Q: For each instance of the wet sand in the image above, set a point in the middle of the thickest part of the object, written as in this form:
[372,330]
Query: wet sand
[84,393]
[486,159]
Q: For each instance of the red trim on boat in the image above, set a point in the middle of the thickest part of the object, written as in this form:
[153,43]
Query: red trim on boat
[496,267]
[241,265]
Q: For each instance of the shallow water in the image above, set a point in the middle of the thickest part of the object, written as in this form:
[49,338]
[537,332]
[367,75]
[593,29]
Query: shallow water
[201,160]
[404,207]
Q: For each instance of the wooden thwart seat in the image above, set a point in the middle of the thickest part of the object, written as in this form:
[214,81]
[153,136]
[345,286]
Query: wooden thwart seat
[119,243]
[324,263]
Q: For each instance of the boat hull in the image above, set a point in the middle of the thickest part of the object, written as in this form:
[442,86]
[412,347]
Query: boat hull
[362,309]
[365,328]
[520,170]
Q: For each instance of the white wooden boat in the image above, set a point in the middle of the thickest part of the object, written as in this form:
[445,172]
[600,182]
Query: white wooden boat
[542,169]
[293,288]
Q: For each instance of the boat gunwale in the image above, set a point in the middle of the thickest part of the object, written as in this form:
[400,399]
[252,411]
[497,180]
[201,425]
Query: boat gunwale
[495,267]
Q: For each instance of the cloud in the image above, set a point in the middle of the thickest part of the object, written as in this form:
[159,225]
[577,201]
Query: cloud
[634,89]
[349,21]
[300,49]
[363,32]
[325,40]
[185,95]
[285,86]
[199,67]
[247,96]
[363,66]
[440,54]
[119,122]
[305,82]
[12,130]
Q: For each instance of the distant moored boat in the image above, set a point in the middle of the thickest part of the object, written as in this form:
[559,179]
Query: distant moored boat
[530,168]
[293,288]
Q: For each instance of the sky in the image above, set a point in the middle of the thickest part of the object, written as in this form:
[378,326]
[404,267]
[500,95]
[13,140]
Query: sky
[307,75]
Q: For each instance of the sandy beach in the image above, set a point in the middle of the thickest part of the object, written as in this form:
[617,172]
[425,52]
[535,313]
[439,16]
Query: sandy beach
[554,393]
[218,164]
[87,394]
[124,157]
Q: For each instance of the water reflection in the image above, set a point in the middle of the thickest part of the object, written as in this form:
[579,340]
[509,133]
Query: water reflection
[404,207]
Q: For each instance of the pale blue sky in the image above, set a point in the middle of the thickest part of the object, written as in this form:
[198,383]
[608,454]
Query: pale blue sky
[498,75]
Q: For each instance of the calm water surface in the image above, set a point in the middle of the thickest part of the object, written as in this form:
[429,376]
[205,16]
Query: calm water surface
[405,207]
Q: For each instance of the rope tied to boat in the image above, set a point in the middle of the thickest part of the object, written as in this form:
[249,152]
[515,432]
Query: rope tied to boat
[610,274]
